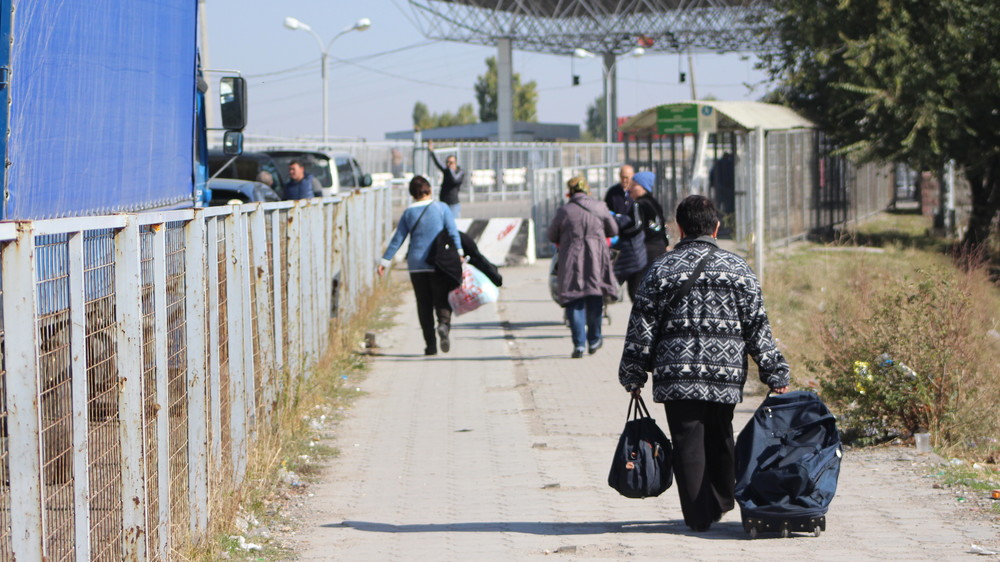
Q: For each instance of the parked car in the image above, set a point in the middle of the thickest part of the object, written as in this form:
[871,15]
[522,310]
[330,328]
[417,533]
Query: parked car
[248,166]
[347,174]
[226,191]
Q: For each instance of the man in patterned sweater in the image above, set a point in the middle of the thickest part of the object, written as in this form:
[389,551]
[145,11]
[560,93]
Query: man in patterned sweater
[697,350]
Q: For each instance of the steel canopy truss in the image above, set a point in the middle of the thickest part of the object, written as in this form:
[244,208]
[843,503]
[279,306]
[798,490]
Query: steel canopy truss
[600,26]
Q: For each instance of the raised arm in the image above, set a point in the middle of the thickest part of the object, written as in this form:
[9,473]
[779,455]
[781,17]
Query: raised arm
[444,169]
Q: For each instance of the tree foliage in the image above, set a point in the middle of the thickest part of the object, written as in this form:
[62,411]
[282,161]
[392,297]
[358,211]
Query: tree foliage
[423,119]
[596,121]
[913,81]
[525,95]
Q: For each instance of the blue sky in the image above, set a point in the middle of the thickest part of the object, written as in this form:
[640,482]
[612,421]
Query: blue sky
[374,93]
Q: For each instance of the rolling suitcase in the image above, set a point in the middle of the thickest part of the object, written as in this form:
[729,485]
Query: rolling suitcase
[787,465]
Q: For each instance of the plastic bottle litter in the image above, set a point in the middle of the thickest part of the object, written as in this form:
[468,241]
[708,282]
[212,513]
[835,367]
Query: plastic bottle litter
[982,551]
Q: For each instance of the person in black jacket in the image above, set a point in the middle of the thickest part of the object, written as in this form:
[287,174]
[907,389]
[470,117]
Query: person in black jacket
[452,181]
[615,197]
[650,215]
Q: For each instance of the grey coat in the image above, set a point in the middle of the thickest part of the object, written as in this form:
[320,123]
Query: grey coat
[581,228]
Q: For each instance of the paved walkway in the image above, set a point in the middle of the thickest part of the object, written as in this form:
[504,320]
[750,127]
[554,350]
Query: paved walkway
[500,450]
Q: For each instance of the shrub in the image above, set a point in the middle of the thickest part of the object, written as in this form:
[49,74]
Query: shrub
[906,355]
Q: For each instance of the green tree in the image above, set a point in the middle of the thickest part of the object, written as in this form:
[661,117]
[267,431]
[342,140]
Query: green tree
[900,80]
[596,120]
[421,116]
[423,119]
[525,95]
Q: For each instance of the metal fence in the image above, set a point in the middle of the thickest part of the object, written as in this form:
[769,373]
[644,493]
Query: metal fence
[495,171]
[147,350]
[549,193]
[807,190]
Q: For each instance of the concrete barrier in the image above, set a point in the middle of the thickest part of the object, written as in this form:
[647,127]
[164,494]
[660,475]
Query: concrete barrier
[504,241]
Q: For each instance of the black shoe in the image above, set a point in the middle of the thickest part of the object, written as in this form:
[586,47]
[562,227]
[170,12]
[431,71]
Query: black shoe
[577,353]
[701,527]
[430,351]
[593,349]
[443,337]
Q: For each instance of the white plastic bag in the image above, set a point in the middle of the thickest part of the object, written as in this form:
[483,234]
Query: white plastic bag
[476,290]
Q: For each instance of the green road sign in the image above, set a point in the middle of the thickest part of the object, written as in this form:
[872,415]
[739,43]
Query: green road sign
[685,118]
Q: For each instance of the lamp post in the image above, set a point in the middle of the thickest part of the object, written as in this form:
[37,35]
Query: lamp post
[294,24]
[608,73]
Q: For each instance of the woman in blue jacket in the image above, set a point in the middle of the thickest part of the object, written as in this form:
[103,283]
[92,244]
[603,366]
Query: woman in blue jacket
[422,221]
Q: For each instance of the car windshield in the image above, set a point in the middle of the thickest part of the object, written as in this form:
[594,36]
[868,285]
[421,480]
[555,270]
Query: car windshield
[345,173]
[315,164]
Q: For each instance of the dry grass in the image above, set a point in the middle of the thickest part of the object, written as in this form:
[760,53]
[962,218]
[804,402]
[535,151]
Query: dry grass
[811,288]
[290,442]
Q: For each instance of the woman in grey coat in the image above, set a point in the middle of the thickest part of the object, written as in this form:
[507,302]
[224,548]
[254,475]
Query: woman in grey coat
[584,276]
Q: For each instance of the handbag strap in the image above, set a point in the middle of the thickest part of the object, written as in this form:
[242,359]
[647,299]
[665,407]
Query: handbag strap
[689,283]
[414,227]
[581,205]
[637,409]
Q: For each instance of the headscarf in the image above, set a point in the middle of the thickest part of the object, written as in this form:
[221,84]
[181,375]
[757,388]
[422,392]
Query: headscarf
[578,184]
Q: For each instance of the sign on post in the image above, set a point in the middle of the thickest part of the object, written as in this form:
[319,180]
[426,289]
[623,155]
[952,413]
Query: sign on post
[685,118]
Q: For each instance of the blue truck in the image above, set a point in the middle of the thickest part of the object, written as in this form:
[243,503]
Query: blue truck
[103,105]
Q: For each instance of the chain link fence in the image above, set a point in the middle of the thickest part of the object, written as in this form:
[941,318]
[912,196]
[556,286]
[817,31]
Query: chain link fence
[149,349]
[807,189]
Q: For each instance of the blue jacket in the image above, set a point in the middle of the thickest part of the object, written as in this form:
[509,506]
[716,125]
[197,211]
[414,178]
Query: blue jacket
[300,189]
[437,217]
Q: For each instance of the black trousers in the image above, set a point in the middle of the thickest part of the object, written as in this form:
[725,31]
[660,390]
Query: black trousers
[702,435]
[633,282]
[432,298]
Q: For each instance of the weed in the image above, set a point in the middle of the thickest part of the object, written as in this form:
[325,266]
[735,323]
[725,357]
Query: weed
[896,337]
[982,480]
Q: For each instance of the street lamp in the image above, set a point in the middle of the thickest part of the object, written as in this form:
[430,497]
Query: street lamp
[294,24]
[608,73]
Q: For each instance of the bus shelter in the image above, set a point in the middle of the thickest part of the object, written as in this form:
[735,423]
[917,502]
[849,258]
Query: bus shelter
[710,147]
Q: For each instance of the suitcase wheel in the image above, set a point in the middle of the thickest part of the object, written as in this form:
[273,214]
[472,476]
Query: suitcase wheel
[784,530]
[753,532]
[817,531]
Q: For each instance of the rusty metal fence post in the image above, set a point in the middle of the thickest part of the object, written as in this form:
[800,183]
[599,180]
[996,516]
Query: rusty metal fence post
[20,300]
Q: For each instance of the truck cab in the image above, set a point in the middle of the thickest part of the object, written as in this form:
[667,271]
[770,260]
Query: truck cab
[102,121]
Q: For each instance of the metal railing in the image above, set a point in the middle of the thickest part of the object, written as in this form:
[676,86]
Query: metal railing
[549,193]
[147,349]
[806,190]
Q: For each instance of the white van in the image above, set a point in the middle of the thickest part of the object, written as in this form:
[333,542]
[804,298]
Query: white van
[336,172]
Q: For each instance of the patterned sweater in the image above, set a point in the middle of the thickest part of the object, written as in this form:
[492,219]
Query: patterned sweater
[698,351]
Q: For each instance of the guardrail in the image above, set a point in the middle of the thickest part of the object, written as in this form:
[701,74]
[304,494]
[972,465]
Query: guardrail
[141,353]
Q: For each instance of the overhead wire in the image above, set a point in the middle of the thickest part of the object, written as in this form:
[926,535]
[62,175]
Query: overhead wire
[315,62]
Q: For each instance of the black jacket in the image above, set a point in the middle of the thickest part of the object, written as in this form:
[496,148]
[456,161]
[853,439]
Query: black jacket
[616,199]
[451,183]
[653,225]
[444,256]
[631,242]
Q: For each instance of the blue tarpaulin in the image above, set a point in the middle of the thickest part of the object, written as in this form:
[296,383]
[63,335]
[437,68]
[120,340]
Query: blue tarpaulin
[102,107]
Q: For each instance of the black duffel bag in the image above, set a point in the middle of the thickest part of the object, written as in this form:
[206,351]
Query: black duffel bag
[641,465]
